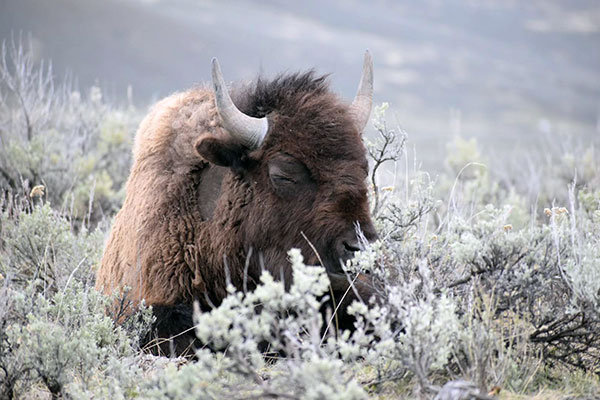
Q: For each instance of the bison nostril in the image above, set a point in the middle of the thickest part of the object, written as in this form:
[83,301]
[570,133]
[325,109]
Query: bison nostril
[351,247]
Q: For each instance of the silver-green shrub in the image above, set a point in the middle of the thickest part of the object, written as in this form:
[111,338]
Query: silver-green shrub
[55,329]
[65,342]
[77,145]
[41,246]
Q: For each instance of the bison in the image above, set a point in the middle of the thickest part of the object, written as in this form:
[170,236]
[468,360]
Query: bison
[221,189]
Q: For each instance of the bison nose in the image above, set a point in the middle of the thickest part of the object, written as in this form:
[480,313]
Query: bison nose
[346,248]
[351,246]
[347,244]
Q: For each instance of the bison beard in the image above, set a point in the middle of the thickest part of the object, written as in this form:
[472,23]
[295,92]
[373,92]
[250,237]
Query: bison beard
[223,188]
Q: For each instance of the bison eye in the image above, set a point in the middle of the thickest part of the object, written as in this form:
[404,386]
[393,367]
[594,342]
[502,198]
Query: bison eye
[282,180]
[283,184]
[289,176]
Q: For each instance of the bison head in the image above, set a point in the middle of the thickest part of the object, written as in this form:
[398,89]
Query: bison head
[297,171]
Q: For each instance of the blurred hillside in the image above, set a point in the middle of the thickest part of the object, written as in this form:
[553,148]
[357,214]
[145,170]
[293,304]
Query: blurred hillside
[506,72]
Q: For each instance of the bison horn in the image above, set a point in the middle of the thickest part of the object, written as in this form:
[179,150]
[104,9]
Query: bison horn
[248,130]
[361,105]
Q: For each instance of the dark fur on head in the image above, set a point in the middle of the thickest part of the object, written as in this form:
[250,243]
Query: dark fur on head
[280,94]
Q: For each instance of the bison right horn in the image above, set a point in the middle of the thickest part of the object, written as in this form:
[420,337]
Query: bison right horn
[248,130]
[361,105]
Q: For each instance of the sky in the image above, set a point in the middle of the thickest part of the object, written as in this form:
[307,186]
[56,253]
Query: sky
[509,73]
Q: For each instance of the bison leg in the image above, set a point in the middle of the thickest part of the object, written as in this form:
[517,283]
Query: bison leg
[172,333]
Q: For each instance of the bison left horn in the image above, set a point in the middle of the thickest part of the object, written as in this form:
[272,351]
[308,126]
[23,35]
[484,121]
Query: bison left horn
[361,105]
[248,130]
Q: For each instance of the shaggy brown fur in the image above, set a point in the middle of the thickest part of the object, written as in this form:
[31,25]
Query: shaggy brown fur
[199,206]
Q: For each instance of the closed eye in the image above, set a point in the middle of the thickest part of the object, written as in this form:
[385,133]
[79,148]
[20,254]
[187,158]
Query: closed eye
[283,179]
[289,177]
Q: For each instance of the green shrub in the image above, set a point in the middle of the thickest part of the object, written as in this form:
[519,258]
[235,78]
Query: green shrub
[77,146]
[55,331]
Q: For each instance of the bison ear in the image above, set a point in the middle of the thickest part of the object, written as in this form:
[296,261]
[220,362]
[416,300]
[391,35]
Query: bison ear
[220,151]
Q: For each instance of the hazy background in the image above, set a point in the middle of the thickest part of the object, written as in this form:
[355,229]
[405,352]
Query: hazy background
[505,72]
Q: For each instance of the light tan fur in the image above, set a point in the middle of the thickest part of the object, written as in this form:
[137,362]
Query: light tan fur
[146,250]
